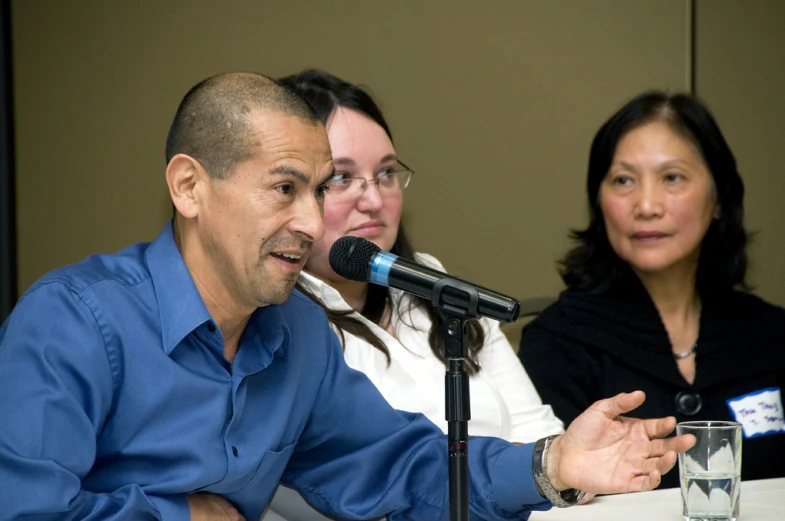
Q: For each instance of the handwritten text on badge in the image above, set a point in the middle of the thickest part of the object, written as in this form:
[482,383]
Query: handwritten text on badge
[760,412]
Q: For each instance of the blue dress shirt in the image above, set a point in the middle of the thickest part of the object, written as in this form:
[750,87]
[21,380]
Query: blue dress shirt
[116,402]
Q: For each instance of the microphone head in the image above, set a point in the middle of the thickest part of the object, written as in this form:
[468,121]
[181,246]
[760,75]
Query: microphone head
[350,257]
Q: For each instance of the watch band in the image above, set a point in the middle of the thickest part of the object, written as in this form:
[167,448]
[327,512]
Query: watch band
[566,498]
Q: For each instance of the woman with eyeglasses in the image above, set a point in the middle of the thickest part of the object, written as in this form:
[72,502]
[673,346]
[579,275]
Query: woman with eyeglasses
[393,337]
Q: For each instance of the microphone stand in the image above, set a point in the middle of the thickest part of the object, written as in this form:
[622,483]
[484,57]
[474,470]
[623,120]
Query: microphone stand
[456,381]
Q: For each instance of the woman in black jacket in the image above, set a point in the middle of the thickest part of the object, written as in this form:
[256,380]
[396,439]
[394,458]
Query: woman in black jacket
[656,296]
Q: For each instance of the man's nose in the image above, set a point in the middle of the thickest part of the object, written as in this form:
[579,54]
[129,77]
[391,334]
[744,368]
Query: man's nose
[308,221]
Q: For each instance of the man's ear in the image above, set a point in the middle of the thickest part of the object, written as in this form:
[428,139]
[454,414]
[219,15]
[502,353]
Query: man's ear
[183,173]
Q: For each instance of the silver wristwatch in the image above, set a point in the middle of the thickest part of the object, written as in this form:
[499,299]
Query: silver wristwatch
[566,498]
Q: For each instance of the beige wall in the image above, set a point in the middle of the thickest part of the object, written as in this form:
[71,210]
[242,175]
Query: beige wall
[741,75]
[493,103]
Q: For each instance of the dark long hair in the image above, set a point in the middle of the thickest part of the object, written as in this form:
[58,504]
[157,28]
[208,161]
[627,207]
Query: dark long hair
[593,265]
[325,93]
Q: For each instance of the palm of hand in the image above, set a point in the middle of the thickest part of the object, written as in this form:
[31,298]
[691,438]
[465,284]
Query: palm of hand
[605,453]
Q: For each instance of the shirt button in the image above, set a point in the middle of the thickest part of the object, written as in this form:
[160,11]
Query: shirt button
[688,403]
[211,327]
[234,451]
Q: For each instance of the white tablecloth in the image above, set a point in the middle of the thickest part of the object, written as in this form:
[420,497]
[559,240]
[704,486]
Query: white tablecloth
[762,500]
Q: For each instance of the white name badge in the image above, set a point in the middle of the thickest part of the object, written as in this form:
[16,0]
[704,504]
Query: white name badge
[759,413]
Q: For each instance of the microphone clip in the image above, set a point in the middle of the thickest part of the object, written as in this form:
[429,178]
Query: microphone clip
[457,302]
[449,287]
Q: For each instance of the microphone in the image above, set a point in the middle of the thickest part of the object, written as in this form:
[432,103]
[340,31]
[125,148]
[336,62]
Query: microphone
[355,258]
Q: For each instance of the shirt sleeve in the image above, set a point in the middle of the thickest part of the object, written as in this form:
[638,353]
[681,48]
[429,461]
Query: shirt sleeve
[56,386]
[358,458]
[530,419]
[563,373]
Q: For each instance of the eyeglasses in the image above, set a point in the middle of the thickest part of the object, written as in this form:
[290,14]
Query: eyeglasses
[342,187]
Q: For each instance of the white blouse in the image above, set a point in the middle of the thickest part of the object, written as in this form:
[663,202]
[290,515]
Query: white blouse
[504,402]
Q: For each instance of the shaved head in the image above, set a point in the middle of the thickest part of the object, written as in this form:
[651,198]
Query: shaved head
[212,123]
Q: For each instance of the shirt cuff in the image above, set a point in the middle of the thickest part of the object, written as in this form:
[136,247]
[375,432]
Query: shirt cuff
[513,480]
[172,508]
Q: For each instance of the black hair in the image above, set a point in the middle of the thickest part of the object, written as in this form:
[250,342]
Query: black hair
[593,266]
[212,121]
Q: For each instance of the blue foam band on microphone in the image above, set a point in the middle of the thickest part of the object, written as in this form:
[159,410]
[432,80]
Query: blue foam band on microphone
[380,267]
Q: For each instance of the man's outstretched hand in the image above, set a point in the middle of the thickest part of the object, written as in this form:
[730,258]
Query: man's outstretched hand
[605,453]
[211,507]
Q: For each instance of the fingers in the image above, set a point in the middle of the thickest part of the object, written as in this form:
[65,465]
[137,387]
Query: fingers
[666,462]
[660,463]
[659,427]
[586,498]
[230,511]
[680,443]
[658,448]
[232,514]
[645,482]
[211,507]
[676,444]
[620,404]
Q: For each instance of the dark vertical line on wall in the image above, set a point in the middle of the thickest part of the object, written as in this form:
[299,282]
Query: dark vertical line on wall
[8,276]
[692,41]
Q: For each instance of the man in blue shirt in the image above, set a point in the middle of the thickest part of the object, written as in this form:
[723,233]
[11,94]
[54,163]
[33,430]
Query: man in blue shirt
[181,379]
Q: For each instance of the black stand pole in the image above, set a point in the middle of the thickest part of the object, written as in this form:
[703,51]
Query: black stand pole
[8,264]
[457,407]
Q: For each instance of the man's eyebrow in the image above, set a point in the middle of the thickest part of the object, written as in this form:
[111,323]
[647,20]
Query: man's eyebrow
[326,178]
[287,170]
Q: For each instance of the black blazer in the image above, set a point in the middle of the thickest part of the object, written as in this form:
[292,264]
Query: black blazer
[588,347]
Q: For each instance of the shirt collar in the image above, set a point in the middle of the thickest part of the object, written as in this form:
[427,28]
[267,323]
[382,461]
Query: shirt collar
[180,305]
[330,296]
[269,329]
[326,293]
